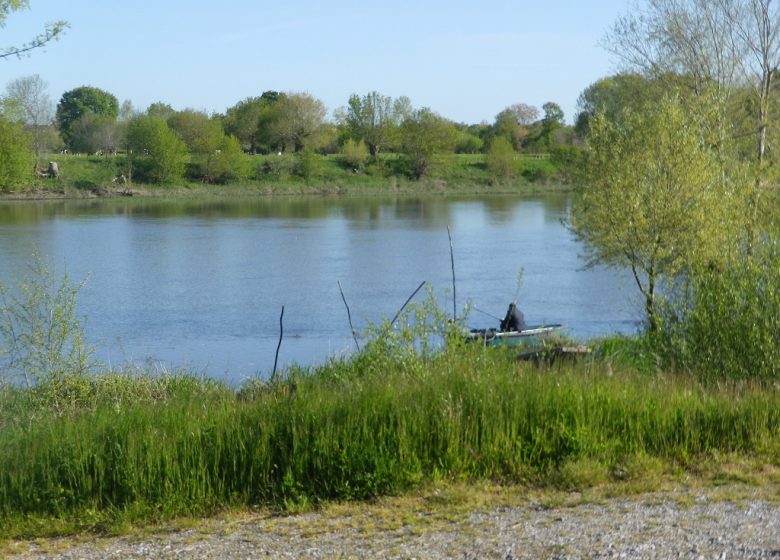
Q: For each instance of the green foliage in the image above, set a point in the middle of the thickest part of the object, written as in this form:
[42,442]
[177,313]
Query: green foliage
[611,96]
[306,165]
[501,159]
[151,448]
[514,122]
[372,119]
[468,143]
[41,338]
[652,197]
[157,154]
[203,136]
[230,162]
[201,133]
[424,135]
[160,110]
[293,120]
[16,155]
[78,102]
[354,154]
[552,122]
[92,133]
[537,170]
[724,322]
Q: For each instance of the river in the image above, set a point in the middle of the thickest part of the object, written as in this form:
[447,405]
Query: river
[199,283]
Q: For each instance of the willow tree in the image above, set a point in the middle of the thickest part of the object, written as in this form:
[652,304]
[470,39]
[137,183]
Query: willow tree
[651,197]
[728,50]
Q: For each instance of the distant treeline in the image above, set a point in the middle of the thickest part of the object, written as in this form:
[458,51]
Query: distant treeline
[163,144]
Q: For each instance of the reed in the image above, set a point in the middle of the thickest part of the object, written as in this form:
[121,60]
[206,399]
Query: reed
[122,447]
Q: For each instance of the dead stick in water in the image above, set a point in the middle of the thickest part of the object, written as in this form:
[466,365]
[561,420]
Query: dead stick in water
[452,261]
[281,334]
[407,302]
[349,316]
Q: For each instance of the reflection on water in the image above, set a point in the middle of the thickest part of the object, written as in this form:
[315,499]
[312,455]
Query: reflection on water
[201,282]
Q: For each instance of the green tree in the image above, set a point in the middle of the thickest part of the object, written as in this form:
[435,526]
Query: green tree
[245,118]
[373,119]
[161,110]
[651,197]
[293,120]
[501,159]
[75,103]
[16,156]
[552,122]
[203,136]
[156,152]
[724,48]
[424,135]
[610,96]
[93,133]
[51,32]
[513,123]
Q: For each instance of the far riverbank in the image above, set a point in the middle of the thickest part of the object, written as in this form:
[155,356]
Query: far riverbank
[108,176]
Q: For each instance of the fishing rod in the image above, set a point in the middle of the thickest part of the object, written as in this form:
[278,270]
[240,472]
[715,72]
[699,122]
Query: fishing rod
[486,313]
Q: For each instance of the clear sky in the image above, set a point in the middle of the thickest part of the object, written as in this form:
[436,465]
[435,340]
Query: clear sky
[466,60]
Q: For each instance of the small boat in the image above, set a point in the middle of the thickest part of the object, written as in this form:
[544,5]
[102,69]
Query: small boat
[530,336]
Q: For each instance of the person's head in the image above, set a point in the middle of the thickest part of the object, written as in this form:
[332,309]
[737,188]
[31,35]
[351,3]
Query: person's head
[511,306]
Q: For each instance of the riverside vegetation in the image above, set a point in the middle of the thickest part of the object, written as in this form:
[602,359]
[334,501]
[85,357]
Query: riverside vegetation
[87,448]
[87,176]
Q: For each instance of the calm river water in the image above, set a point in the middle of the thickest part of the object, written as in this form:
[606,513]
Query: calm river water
[200,283]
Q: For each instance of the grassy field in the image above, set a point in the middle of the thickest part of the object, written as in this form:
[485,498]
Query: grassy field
[85,176]
[91,453]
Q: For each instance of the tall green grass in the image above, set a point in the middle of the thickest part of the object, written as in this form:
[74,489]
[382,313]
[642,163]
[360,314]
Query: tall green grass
[133,447]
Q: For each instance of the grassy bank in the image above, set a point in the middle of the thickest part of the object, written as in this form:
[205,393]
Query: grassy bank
[87,176]
[83,453]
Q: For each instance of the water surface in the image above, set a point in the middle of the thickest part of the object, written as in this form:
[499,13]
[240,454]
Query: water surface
[200,283]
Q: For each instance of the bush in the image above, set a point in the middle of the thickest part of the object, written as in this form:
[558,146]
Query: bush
[726,322]
[501,159]
[354,154]
[16,155]
[158,153]
[40,336]
[307,164]
[468,144]
[230,162]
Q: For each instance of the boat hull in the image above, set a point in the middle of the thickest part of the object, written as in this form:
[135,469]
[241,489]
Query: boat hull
[530,336]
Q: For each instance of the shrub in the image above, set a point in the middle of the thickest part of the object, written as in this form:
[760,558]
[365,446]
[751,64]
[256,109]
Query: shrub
[307,164]
[468,144]
[230,162]
[354,154]
[16,155]
[40,336]
[725,322]
[158,153]
[501,159]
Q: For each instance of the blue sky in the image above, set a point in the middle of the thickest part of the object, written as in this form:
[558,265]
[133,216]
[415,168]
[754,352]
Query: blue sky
[467,60]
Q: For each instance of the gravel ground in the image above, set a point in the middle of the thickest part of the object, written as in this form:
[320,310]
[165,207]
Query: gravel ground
[671,524]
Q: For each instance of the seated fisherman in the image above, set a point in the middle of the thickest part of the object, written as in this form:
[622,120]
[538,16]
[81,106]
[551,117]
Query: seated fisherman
[514,320]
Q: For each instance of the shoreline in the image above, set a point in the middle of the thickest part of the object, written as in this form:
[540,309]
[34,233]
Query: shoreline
[281,190]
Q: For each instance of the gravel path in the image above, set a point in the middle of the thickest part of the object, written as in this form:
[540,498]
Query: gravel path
[673,524]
